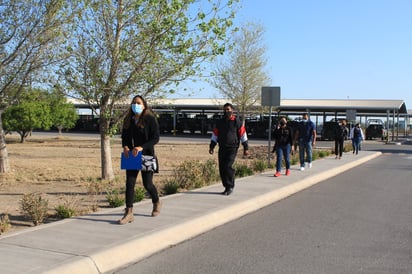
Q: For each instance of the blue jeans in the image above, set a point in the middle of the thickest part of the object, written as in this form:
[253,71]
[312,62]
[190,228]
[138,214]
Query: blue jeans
[305,147]
[285,152]
[356,142]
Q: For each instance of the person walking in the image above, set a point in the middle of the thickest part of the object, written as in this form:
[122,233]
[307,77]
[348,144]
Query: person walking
[140,133]
[341,133]
[229,132]
[306,136]
[357,136]
[283,136]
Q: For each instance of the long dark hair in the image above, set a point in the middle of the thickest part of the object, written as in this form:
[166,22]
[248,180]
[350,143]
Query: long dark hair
[128,119]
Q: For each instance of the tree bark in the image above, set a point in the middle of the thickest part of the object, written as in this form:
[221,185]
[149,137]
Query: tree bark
[105,149]
[4,155]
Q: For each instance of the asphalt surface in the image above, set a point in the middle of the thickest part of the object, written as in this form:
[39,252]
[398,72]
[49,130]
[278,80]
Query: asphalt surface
[95,243]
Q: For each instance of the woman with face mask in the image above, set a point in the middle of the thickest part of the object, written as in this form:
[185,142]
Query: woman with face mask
[140,133]
[283,136]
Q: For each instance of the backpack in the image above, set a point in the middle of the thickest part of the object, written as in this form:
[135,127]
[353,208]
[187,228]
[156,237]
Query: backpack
[356,132]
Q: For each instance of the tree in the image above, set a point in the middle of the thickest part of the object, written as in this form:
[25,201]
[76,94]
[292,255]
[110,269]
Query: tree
[122,48]
[30,30]
[31,112]
[241,76]
[63,114]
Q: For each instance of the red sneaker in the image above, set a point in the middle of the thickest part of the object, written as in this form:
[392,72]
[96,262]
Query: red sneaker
[287,173]
[277,174]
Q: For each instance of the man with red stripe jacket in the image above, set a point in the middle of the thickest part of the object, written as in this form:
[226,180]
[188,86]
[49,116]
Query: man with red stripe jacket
[229,132]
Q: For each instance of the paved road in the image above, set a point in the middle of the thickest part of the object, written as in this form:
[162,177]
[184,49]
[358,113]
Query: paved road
[357,222]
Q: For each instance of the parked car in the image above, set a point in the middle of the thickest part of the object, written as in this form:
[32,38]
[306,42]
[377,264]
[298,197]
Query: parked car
[375,129]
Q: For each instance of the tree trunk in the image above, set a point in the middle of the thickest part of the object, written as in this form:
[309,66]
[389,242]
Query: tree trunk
[105,149]
[4,156]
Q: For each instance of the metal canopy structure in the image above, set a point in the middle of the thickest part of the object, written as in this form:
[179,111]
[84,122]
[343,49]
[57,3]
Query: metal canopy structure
[295,106]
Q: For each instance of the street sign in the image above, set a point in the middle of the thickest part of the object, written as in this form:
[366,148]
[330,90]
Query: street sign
[351,115]
[270,96]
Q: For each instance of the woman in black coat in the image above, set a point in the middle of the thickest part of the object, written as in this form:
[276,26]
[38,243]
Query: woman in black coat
[140,133]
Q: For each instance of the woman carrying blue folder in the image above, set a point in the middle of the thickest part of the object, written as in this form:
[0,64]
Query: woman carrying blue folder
[140,133]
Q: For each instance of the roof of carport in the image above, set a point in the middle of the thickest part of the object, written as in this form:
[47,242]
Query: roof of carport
[294,105]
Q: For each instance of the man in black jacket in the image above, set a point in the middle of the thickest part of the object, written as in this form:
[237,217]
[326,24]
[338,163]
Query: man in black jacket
[229,132]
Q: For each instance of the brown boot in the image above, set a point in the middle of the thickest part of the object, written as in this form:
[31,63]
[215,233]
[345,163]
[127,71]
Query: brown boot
[156,209]
[127,217]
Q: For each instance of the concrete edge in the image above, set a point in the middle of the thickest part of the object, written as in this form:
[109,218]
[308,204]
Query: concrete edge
[134,250]
[138,249]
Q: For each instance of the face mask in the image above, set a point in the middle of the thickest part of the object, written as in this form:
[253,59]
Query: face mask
[137,109]
[228,113]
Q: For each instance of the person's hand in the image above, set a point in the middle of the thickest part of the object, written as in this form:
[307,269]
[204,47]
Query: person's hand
[211,151]
[126,152]
[136,150]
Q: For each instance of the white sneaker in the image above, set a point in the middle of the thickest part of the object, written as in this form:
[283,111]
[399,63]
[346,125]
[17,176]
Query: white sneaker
[310,165]
[302,168]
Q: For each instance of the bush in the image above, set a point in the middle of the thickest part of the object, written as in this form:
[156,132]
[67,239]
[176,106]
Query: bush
[210,172]
[34,207]
[260,165]
[189,175]
[114,199]
[4,223]
[68,209]
[242,170]
[64,212]
[140,194]
[170,187]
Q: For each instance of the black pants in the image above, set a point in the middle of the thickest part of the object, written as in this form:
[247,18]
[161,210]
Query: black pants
[147,178]
[339,146]
[226,158]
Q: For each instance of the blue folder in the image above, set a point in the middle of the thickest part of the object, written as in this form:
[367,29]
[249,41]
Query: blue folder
[131,163]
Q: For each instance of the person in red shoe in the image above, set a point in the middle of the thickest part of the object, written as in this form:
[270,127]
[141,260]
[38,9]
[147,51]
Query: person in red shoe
[283,136]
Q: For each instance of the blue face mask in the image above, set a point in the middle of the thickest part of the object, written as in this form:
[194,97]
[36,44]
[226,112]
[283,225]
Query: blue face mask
[137,109]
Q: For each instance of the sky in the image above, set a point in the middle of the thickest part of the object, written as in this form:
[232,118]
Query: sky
[334,49]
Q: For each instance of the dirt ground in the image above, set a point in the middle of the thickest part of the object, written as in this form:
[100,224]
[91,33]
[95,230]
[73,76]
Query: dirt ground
[67,170]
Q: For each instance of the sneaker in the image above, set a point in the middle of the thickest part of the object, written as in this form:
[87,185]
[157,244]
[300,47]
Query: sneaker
[310,165]
[277,174]
[287,173]
[302,168]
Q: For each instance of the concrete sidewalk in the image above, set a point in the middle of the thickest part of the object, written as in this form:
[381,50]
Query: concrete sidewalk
[95,243]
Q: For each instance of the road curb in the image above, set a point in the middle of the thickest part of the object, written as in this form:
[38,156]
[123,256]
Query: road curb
[136,249]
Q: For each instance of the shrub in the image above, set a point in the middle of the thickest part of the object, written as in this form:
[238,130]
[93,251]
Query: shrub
[259,165]
[170,187]
[140,194]
[242,170]
[34,207]
[189,174]
[323,153]
[114,199]
[210,172]
[4,223]
[68,209]
[64,212]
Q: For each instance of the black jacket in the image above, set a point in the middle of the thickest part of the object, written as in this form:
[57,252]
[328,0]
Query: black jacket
[282,137]
[145,137]
[229,133]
